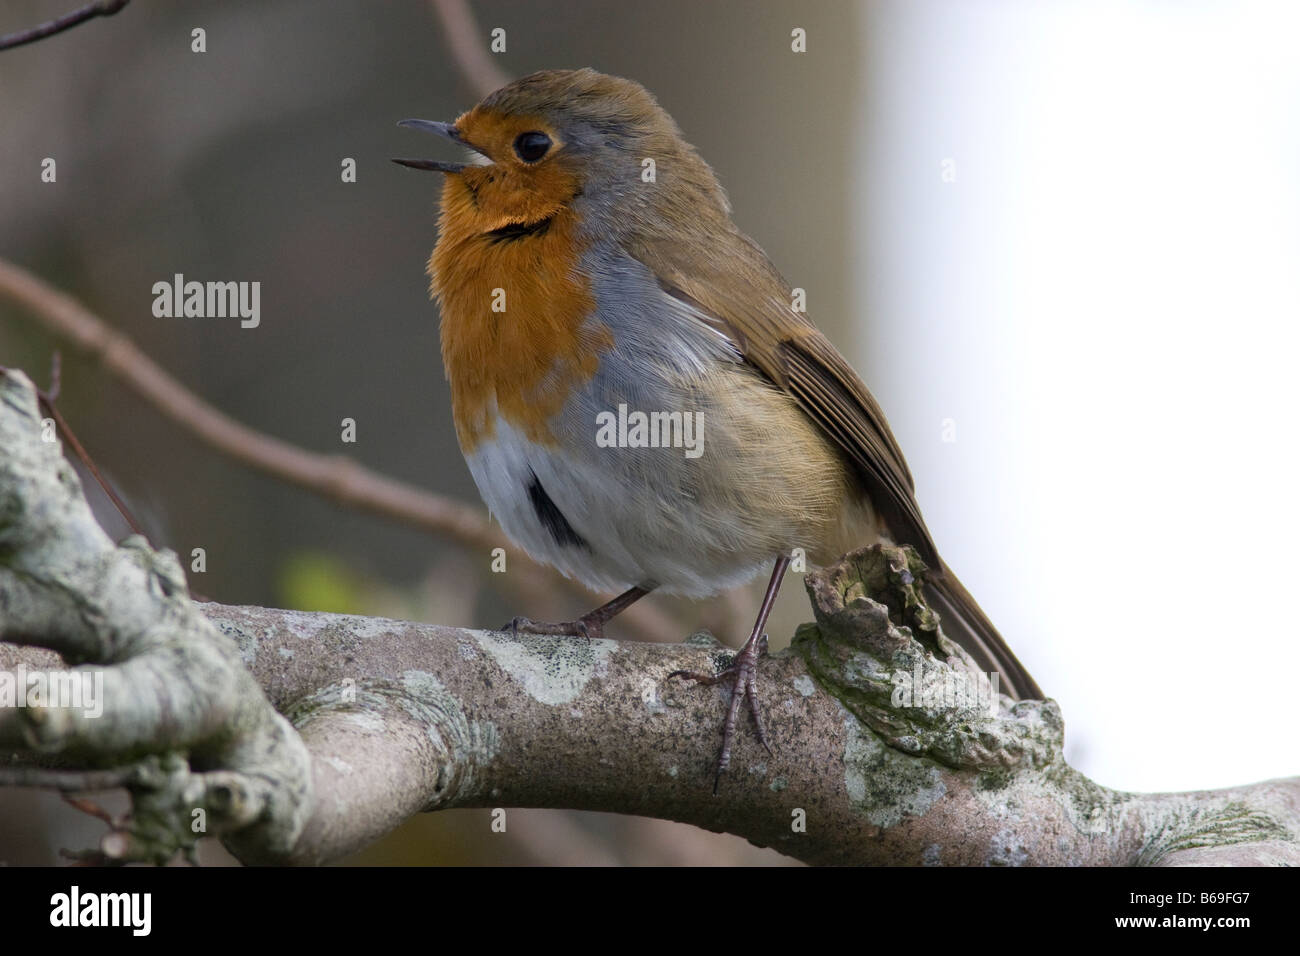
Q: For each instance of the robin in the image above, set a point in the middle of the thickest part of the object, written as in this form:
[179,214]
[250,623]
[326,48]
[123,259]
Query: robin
[639,401]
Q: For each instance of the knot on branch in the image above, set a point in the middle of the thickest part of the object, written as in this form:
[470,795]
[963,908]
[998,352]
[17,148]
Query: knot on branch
[455,748]
[166,576]
[878,648]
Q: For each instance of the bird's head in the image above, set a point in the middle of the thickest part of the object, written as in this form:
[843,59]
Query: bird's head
[561,137]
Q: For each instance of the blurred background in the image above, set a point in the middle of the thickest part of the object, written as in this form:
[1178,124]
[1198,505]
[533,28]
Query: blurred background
[1060,240]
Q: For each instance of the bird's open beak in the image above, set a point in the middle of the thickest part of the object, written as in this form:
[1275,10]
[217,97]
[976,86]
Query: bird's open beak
[446,130]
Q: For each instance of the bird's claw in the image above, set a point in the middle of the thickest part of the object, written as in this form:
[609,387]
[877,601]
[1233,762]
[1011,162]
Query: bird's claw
[742,673]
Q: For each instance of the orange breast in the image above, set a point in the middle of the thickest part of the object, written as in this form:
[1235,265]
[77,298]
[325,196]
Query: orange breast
[521,363]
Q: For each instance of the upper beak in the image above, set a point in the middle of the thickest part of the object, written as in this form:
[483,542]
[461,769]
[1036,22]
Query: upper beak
[446,130]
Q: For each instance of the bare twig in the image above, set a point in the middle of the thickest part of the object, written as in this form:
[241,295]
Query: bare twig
[334,477]
[465,43]
[47,399]
[100,8]
[67,781]
[47,402]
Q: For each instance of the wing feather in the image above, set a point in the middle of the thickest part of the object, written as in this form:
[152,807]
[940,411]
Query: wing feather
[745,298]
[796,357]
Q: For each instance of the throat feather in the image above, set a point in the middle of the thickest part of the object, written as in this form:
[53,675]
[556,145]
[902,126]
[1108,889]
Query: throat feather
[519,330]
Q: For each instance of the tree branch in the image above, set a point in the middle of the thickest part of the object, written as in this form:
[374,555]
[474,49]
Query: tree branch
[390,718]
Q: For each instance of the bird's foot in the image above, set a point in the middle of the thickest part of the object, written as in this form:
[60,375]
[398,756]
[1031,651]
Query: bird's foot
[582,627]
[742,674]
[591,625]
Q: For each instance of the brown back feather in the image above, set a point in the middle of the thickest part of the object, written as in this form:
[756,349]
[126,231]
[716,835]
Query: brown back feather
[791,352]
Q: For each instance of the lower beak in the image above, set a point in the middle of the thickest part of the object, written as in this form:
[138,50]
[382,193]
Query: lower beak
[446,130]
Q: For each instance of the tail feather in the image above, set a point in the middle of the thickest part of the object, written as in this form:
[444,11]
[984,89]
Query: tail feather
[963,621]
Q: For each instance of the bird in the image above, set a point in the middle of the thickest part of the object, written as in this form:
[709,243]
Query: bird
[597,304]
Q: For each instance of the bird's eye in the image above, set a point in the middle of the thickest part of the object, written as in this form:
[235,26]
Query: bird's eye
[532,146]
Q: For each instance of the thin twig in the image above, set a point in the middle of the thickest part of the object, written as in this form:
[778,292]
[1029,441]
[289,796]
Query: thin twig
[67,781]
[101,8]
[90,808]
[47,399]
[332,476]
[465,43]
[61,424]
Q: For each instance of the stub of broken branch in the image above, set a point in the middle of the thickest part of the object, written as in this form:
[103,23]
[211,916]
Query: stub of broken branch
[878,756]
[916,701]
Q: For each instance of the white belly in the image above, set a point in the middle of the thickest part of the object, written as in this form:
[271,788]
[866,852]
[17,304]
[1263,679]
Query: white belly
[626,533]
[656,517]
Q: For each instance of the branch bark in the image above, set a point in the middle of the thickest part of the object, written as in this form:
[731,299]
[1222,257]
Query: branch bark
[301,737]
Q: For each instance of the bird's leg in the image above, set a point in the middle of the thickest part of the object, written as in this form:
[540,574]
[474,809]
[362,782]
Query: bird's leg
[590,625]
[743,672]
